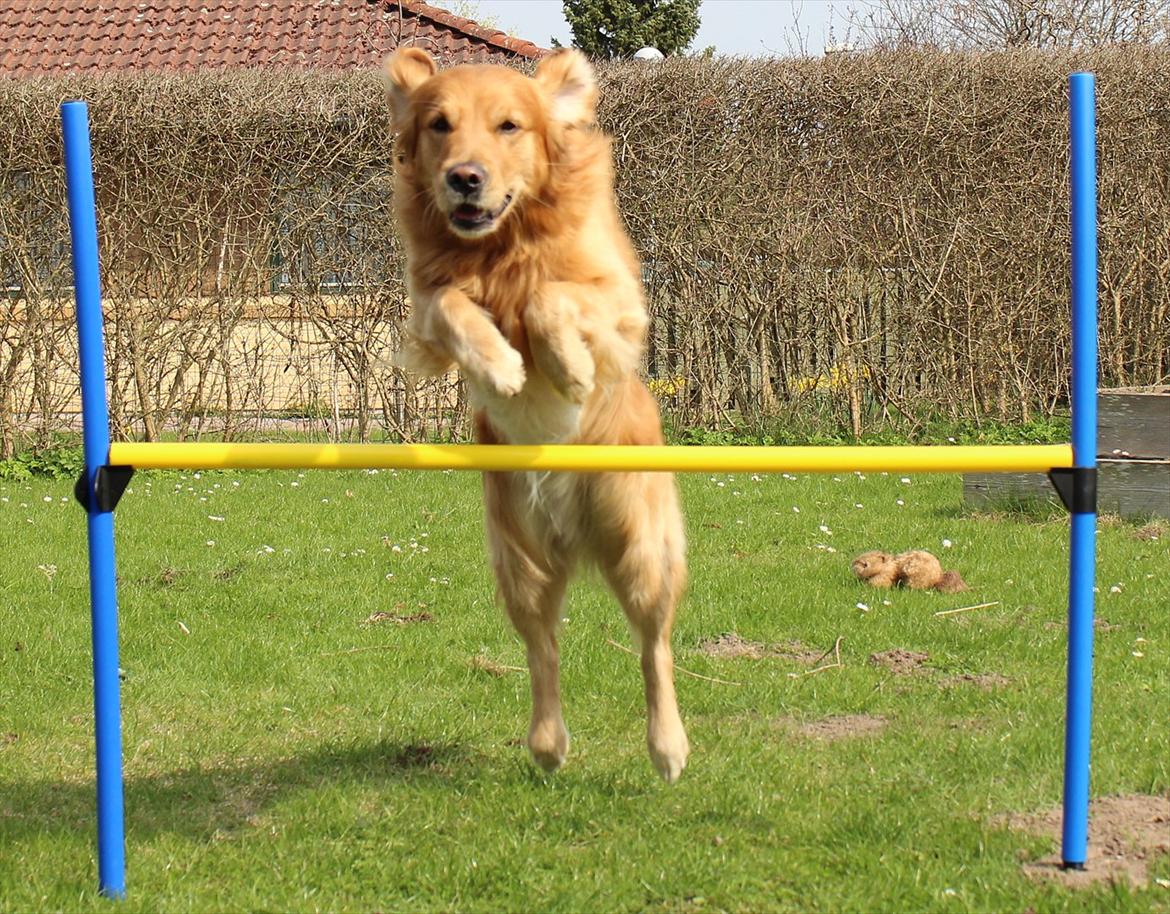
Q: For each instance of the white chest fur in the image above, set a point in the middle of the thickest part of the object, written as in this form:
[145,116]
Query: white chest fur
[536,415]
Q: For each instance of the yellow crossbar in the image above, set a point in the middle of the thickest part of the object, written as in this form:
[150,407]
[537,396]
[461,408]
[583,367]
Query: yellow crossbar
[594,458]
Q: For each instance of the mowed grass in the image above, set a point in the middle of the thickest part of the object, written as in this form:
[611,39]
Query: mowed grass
[283,755]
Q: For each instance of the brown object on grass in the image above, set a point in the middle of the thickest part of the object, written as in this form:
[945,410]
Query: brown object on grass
[916,569]
[876,569]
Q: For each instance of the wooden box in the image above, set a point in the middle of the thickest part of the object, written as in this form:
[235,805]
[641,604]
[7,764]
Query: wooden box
[1133,447]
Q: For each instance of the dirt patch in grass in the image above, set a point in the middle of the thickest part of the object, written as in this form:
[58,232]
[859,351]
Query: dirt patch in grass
[1099,625]
[799,651]
[730,646]
[1125,834]
[1151,532]
[830,729]
[978,680]
[167,576]
[900,661]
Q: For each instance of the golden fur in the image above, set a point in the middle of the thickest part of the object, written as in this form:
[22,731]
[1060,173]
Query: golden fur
[916,569]
[876,568]
[529,284]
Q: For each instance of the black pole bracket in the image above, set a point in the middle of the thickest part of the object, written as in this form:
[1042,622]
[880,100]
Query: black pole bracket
[108,485]
[1077,488]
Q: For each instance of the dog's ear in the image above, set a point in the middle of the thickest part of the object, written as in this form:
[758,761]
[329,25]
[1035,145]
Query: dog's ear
[404,72]
[568,81]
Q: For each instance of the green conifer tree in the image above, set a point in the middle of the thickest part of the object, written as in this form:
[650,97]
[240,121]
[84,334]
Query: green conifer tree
[607,29]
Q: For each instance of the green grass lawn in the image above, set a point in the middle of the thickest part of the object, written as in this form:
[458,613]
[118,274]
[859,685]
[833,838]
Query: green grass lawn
[281,754]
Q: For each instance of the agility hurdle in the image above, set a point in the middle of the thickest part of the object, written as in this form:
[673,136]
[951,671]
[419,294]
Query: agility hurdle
[1071,467]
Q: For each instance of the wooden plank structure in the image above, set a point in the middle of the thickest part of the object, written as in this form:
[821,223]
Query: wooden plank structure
[1133,429]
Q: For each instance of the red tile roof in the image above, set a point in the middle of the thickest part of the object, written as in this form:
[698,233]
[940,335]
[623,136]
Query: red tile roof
[68,36]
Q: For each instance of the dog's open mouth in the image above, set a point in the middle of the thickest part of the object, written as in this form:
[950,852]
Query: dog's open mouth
[470,217]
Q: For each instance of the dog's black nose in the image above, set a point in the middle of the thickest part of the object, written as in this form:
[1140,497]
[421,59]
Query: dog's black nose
[466,178]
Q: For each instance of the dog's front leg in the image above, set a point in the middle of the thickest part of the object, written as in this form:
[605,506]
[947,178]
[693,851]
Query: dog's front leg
[447,325]
[587,332]
[553,323]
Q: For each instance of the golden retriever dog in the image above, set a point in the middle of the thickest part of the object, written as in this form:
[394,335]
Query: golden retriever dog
[521,274]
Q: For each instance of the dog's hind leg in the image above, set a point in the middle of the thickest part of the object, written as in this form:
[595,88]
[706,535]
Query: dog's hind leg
[641,550]
[531,585]
[536,620]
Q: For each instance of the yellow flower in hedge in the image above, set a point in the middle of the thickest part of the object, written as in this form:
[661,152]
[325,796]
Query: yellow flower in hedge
[837,378]
[664,388]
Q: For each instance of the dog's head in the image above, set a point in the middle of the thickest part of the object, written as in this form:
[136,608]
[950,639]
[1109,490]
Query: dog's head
[481,140]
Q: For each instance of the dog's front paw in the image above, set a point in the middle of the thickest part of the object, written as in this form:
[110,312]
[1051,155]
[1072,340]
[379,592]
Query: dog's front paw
[505,375]
[579,380]
[571,370]
[617,347]
[561,356]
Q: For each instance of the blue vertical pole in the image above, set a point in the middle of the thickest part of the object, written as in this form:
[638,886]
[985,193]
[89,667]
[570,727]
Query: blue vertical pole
[96,433]
[1083,536]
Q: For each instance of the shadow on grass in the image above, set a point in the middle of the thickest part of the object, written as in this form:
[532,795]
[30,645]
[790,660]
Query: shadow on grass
[200,802]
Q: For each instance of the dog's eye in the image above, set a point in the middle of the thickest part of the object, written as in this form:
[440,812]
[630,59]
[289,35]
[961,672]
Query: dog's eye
[508,127]
[441,125]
